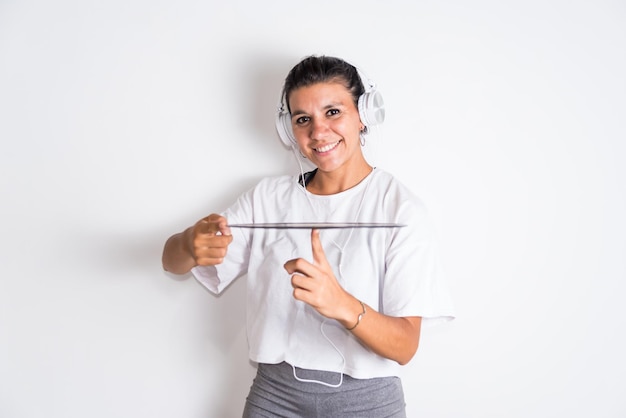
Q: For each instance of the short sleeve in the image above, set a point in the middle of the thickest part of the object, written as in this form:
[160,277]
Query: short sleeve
[415,283]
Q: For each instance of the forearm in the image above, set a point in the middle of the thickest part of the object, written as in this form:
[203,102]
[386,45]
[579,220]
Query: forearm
[395,338]
[177,257]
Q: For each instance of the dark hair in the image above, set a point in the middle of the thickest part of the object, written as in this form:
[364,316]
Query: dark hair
[322,69]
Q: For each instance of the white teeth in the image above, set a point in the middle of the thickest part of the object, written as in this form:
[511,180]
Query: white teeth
[327,147]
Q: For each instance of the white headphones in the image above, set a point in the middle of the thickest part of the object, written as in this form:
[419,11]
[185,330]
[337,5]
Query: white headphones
[370,105]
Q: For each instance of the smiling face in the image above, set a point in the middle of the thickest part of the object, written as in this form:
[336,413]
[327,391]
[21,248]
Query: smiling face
[327,126]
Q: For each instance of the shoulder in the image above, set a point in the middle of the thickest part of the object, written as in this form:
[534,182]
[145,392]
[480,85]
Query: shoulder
[400,204]
[394,190]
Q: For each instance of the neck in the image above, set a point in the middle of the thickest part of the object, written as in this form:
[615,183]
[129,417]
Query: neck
[326,183]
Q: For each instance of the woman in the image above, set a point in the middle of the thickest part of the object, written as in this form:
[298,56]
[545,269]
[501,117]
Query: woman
[332,314]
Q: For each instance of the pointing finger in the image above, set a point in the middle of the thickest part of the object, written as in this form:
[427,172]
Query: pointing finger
[319,257]
[223,227]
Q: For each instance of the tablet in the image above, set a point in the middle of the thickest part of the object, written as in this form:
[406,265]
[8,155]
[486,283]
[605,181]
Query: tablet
[317,225]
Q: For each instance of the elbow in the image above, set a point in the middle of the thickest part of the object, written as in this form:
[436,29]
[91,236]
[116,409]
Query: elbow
[174,259]
[405,358]
[414,326]
[403,362]
[167,265]
[172,267]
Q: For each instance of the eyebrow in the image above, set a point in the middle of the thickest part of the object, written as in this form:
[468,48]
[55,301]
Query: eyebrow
[326,107]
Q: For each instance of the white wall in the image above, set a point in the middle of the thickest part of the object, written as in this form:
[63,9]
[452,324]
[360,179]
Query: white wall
[122,122]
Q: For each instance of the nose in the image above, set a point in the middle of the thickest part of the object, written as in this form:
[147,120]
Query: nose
[319,129]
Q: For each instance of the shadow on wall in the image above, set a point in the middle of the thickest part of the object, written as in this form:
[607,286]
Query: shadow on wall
[208,329]
[224,330]
[262,76]
[229,336]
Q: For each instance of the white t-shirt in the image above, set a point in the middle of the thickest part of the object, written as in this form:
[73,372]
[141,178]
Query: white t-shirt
[393,270]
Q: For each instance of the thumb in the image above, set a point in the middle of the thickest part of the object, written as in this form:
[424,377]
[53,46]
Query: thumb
[205,227]
[209,224]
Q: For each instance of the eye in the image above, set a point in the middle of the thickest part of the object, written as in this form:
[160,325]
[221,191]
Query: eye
[302,120]
[333,112]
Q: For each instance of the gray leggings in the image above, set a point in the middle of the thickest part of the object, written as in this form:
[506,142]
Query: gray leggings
[276,393]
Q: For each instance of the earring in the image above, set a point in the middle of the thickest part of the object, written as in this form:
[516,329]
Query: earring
[362,135]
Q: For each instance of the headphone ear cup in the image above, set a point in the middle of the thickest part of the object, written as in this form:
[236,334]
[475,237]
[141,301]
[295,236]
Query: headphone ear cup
[284,129]
[371,108]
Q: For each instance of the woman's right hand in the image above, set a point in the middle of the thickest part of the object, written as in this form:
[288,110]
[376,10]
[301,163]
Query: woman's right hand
[203,244]
[209,239]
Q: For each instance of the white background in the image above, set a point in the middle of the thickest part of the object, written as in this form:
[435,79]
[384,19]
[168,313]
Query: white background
[123,122]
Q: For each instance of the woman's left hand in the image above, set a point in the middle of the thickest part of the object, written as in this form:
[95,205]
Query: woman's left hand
[315,284]
[395,338]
